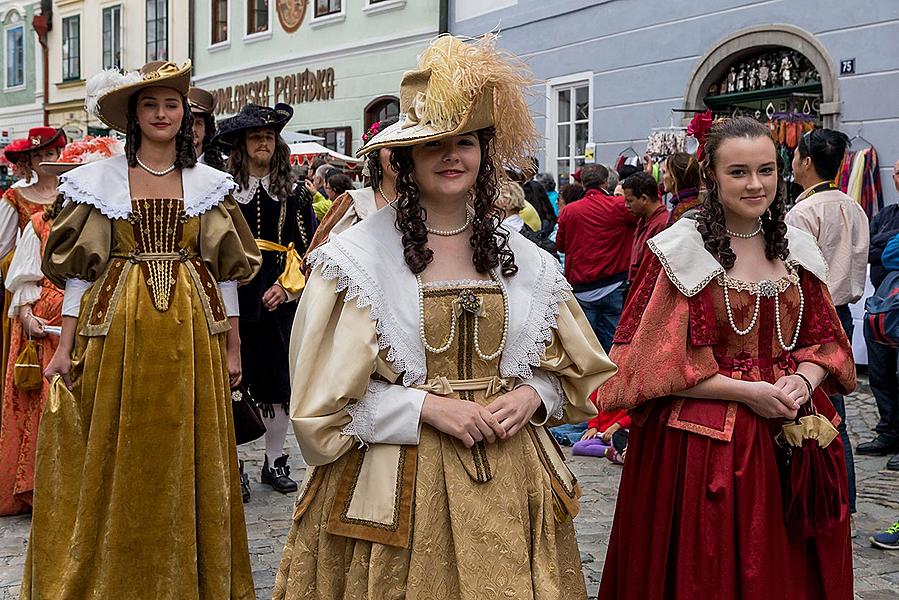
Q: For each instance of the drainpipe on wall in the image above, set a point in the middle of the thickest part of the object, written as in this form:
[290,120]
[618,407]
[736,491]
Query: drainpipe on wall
[190,31]
[42,24]
[444,16]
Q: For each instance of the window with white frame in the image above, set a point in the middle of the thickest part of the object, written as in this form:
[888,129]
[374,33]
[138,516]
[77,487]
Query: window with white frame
[157,30]
[219,15]
[15,56]
[112,37]
[257,16]
[324,8]
[571,111]
[71,48]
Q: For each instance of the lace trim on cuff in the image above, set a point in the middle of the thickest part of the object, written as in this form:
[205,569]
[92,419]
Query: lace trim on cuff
[362,412]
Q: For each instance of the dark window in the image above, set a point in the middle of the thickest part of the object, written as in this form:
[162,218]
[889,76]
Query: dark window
[380,109]
[112,37]
[157,30]
[15,56]
[219,21]
[257,16]
[339,139]
[327,7]
[71,48]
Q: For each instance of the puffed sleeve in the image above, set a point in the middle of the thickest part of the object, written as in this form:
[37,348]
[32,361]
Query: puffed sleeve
[9,223]
[573,366]
[227,245]
[334,401]
[24,276]
[78,246]
[822,339]
[654,347]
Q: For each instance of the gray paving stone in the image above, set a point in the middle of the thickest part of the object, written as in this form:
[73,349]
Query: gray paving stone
[268,516]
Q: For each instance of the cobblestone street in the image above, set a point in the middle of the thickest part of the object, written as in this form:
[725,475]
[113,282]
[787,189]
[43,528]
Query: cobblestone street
[268,513]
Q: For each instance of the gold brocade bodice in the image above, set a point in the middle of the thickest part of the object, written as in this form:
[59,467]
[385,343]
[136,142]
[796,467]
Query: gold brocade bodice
[158,236]
[461,360]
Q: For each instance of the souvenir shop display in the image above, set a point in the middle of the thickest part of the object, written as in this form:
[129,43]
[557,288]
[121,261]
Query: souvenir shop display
[665,141]
[778,69]
[859,176]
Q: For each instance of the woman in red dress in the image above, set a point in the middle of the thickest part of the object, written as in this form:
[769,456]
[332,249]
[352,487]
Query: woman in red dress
[735,310]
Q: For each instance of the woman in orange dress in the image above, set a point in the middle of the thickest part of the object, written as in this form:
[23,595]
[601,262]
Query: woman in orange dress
[35,191]
[36,304]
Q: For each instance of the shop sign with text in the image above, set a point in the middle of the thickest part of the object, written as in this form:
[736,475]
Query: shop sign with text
[295,88]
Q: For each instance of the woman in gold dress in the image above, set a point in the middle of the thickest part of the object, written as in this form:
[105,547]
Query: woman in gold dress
[136,486]
[429,350]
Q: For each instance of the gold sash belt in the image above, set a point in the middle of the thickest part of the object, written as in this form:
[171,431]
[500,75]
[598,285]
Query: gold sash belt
[291,279]
[491,385]
[137,257]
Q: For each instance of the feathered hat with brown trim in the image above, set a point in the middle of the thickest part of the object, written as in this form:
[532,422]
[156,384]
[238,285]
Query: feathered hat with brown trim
[462,86]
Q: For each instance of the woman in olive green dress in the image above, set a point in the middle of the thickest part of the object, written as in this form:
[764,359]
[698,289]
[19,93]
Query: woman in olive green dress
[137,492]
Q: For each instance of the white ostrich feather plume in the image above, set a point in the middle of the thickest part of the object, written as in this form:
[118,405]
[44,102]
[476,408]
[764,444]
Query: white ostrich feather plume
[105,82]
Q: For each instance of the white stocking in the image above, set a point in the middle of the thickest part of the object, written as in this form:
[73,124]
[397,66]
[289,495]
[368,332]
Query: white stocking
[275,434]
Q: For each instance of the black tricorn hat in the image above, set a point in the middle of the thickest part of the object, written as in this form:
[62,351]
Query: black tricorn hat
[253,116]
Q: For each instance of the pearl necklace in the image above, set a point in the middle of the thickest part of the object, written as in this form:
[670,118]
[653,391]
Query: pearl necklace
[165,171]
[768,289]
[745,236]
[383,195]
[450,232]
[452,335]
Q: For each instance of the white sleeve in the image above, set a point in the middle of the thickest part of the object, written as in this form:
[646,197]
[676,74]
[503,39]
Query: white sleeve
[71,301]
[550,391]
[228,290]
[9,226]
[24,276]
[387,414]
[291,296]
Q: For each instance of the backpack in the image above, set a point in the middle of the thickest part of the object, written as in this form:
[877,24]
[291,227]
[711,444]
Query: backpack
[882,312]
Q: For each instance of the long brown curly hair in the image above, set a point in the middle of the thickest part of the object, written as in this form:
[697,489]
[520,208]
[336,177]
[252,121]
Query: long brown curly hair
[489,242]
[711,222]
[281,176]
[185,155]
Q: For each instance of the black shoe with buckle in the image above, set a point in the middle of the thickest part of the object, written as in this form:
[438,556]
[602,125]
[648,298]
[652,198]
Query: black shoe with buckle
[244,484]
[279,476]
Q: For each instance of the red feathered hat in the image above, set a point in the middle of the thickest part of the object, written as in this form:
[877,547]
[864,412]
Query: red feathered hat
[38,138]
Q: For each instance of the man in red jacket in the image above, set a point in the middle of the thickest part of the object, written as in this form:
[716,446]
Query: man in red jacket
[596,233]
[641,196]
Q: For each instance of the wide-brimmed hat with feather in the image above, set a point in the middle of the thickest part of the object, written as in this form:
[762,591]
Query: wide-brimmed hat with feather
[462,86]
[108,92]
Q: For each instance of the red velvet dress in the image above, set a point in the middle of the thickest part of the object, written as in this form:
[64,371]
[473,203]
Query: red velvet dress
[699,512]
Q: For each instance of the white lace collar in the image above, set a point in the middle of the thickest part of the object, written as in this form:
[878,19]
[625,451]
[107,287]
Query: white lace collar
[245,196]
[367,261]
[690,267]
[104,185]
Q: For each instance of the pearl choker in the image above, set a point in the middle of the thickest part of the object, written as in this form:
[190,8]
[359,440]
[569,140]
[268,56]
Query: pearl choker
[450,232]
[757,231]
[165,171]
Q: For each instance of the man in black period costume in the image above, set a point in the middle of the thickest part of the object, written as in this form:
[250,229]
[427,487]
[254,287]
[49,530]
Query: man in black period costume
[279,213]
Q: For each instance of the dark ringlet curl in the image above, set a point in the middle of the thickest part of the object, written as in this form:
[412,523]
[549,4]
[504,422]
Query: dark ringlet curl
[489,242]
[373,159]
[185,155]
[52,211]
[282,177]
[212,151]
[710,220]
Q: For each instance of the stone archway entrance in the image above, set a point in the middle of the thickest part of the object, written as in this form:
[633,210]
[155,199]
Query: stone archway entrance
[713,66]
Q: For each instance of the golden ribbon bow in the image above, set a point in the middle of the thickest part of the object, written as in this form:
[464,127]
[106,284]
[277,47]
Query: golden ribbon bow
[166,69]
[291,279]
[442,386]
